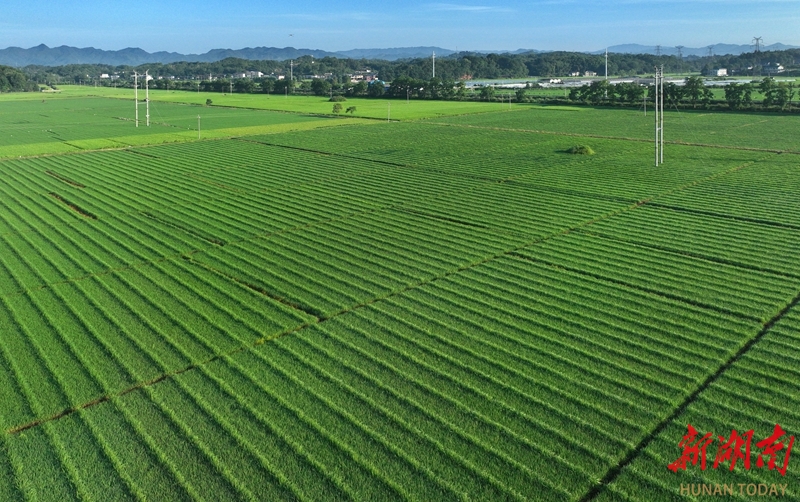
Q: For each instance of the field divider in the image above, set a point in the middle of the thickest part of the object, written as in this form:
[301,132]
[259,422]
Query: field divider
[73,206]
[316,314]
[612,474]
[323,152]
[216,184]
[65,179]
[212,240]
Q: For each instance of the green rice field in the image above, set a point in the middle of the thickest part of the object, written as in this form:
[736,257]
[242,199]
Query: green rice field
[444,306]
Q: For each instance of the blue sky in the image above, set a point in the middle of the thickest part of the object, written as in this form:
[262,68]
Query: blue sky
[198,26]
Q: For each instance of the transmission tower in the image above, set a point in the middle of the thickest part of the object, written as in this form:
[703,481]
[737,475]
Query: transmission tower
[658,50]
[711,51]
[757,52]
[680,51]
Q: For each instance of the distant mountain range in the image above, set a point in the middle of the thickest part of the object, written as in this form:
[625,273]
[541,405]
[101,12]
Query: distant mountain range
[716,49]
[64,55]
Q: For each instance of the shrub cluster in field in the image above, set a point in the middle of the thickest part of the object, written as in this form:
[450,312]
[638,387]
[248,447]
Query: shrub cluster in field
[580,150]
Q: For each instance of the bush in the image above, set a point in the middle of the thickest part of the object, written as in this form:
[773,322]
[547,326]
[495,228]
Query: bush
[336,99]
[337,108]
[208,102]
[581,150]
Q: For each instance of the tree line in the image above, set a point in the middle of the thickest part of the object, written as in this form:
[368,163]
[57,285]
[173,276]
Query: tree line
[460,66]
[13,80]
[738,96]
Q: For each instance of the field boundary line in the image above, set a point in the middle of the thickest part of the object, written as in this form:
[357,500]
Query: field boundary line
[64,179]
[190,231]
[125,146]
[615,471]
[321,152]
[319,316]
[71,205]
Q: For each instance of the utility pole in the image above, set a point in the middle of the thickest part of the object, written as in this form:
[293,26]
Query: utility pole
[136,95]
[606,91]
[291,72]
[659,106]
[433,61]
[388,111]
[147,96]
[198,127]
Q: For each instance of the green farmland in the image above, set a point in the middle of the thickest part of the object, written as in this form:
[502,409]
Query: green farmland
[445,306]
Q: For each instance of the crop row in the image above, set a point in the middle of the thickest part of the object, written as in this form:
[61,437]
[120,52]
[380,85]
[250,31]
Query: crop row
[517,209]
[755,393]
[744,244]
[488,153]
[765,191]
[60,124]
[423,395]
[724,129]
[334,265]
[631,174]
[119,182]
[236,217]
[122,182]
[48,252]
[727,288]
[77,341]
